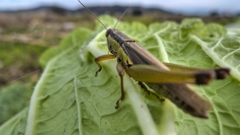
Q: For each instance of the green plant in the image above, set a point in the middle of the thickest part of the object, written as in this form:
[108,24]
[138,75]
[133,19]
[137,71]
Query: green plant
[68,99]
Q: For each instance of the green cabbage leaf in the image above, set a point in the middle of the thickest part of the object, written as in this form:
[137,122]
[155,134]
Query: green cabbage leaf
[69,99]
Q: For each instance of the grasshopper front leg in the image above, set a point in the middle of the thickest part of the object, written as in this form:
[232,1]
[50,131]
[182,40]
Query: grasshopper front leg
[102,58]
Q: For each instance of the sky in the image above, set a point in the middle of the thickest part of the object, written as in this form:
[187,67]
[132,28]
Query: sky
[177,6]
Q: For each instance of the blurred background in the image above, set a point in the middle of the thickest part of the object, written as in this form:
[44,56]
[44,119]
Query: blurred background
[29,27]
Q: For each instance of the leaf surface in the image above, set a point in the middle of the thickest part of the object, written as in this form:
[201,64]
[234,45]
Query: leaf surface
[69,99]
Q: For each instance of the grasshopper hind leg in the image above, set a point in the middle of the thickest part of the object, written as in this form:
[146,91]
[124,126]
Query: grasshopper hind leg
[149,92]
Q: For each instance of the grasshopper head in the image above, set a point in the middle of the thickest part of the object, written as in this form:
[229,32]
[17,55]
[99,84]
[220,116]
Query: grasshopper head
[113,43]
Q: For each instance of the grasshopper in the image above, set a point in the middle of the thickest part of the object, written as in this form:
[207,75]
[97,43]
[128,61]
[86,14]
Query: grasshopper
[168,80]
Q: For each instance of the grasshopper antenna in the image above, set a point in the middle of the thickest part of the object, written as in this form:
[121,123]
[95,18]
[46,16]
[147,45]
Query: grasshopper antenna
[121,17]
[31,73]
[92,14]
